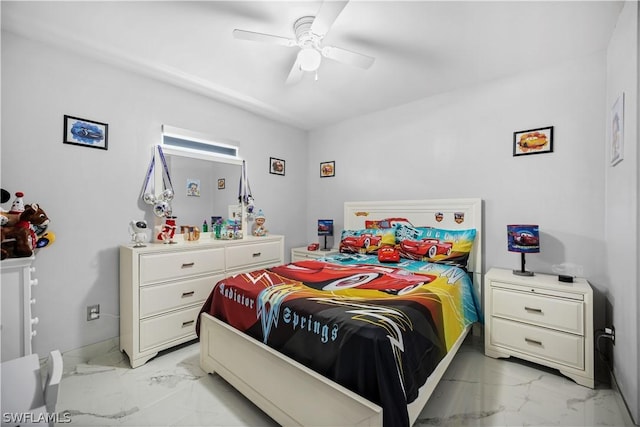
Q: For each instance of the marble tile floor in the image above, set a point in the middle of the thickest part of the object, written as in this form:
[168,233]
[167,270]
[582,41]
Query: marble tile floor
[172,390]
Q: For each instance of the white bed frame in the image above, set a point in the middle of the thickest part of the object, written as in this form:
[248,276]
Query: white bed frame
[293,394]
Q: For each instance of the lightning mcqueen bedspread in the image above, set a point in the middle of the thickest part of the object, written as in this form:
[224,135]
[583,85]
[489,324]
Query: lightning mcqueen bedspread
[379,330]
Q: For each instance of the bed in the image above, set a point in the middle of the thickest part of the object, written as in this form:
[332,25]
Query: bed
[325,388]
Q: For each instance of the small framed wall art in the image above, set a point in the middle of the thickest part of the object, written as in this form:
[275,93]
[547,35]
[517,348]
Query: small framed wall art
[221,183]
[533,141]
[193,187]
[616,139]
[87,133]
[276,166]
[327,169]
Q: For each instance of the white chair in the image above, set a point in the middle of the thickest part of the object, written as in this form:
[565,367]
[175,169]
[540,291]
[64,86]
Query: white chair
[24,401]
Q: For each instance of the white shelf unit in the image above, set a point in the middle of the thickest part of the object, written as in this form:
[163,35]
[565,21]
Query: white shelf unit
[17,325]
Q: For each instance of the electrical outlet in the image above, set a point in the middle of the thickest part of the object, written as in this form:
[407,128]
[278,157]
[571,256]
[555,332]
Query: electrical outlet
[613,334]
[93,312]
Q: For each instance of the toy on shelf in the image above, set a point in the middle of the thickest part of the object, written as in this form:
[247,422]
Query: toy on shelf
[258,225]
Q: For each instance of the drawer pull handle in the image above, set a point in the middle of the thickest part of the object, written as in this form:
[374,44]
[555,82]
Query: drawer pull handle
[189,323]
[536,342]
[535,310]
[188,294]
[257,254]
[188,264]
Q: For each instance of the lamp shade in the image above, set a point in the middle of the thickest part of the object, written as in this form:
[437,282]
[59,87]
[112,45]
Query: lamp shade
[523,238]
[325,227]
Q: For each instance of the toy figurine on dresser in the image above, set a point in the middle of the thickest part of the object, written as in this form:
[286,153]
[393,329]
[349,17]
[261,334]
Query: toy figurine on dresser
[138,230]
[168,230]
[259,229]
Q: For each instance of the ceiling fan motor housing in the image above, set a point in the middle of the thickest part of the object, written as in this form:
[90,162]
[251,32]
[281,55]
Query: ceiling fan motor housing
[304,35]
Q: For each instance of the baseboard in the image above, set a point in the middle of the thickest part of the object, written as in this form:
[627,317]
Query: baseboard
[624,409]
[84,354]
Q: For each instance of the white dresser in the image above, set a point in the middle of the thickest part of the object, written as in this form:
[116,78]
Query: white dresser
[17,326]
[163,286]
[542,320]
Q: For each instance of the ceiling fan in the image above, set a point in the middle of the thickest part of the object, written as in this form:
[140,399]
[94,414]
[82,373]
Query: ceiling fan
[310,32]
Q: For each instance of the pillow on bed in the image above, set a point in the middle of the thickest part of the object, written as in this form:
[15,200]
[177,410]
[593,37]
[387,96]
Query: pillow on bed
[366,241]
[435,244]
[386,223]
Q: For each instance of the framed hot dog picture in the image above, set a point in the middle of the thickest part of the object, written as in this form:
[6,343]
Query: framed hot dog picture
[533,141]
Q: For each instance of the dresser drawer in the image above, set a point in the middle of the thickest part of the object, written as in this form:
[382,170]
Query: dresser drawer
[558,347]
[162,267]
[157,299]
[563,314]
[245,256]
[156,331]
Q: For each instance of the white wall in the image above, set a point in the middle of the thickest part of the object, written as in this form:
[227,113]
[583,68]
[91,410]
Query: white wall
[460,144]
[91,195]
[621,207]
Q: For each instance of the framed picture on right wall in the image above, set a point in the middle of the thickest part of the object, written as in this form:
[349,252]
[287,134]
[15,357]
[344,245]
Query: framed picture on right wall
[616,131]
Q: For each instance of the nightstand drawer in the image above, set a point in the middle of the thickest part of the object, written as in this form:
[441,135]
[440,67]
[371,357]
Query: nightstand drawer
[162,267]
[243,256]
[169,296]
[554,346]
[562,314]
[301,256]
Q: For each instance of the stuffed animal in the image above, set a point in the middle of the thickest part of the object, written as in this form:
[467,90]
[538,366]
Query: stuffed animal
[20,239]
[11,217]
[4,218]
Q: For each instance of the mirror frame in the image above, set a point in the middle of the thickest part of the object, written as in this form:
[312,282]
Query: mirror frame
[200,155]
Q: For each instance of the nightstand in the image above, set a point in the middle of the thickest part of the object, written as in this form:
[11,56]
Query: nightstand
[300,254]
[542,320]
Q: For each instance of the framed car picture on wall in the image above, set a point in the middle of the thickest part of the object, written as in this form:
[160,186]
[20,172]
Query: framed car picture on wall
[87,133]
[533,141]
[327,169]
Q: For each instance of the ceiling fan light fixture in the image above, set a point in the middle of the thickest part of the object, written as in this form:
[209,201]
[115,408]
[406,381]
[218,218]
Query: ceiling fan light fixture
[309,59]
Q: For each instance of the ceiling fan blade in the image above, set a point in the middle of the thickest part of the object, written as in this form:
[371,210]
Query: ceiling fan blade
[295,75]
[347,57]
[326,16]
[260,37]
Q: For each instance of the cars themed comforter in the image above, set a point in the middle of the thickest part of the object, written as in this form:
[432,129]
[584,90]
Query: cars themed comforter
[379,330]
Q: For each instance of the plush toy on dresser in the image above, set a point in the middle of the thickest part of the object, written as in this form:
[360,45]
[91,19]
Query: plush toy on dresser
[22,229]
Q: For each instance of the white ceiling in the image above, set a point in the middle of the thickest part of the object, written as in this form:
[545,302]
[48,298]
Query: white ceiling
[421,48]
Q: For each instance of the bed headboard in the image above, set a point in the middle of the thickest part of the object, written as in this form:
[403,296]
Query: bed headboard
[453,214]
